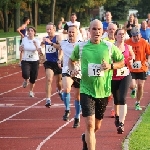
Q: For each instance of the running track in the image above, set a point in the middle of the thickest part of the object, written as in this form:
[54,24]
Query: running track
[25,123]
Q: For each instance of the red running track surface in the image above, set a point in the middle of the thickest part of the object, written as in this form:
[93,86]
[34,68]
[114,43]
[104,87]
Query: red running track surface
[25,123]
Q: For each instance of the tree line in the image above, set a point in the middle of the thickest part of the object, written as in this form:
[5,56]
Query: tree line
[44,11]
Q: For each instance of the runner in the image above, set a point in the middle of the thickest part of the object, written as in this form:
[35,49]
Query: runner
[51,67]
[130,24]
[73,21]
[121,81]
[107,21]
[95,85]
[111,38]
[139,68]
[67,47]
[30,47]
[22,31]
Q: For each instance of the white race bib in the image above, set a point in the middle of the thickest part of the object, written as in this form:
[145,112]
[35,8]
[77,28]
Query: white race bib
[30,55]
[50,49]
[136,65]
[95,70]
[123,71]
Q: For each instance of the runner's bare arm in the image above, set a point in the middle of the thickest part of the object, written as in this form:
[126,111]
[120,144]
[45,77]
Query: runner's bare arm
[71,64]
[131,52]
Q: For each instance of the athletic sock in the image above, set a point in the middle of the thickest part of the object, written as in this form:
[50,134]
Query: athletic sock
[77,108]
[66,99]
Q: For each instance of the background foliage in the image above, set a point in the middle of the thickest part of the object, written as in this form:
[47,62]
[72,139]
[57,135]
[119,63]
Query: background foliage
[44,11]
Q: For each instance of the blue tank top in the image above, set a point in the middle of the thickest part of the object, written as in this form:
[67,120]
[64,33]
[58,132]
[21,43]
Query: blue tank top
[23,31]
[50,51]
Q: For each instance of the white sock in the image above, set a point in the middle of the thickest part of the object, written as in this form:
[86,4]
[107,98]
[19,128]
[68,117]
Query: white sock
[122,112]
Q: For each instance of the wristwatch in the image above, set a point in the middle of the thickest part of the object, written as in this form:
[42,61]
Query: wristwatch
[112,66]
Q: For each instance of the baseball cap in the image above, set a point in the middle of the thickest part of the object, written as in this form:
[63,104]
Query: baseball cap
[135,31]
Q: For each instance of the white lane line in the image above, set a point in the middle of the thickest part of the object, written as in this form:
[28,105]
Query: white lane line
[10,75]
[24,110]
[51,135]
[16,88]
[13,137]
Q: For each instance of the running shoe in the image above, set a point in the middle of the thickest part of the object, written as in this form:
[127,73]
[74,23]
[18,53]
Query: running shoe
[84,142]
[133,93]
[24,84]
[66,115]
[48,103]
[137,106]
[76,123]
[112,114]
[120,129]
[31,94]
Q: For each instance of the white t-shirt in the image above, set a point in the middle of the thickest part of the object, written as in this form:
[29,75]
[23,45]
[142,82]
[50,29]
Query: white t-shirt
[30,52]
[76,23]
[67,49]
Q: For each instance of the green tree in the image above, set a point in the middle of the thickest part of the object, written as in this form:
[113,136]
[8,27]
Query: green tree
[143,8]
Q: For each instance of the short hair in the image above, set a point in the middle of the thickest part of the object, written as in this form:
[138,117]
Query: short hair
[72,26]
[107,12]
[73,14]
[118,30]
[31,27]
[112,24]
[95,20]
[51,23]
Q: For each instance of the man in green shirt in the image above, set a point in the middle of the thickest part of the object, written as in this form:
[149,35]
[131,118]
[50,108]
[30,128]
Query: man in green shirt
[98,59]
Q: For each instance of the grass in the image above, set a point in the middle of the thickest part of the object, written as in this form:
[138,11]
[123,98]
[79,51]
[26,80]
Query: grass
[11,33]
[40,29]
[140,138]
[9,63]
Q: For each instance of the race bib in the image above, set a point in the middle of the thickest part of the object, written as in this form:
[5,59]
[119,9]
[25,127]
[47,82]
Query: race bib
[95,70]
[123,71]
[136,65]
[50,49]
[30,55]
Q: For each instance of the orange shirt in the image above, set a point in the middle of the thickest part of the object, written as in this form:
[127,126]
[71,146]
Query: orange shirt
[141,49]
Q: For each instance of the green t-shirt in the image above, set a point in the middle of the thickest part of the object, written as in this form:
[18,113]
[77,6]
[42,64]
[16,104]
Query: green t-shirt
[96,86]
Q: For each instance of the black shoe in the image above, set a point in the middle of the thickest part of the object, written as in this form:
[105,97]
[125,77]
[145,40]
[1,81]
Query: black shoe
[84,142]
[120,129]
[66,115]
[48,105]
[76,123]
[117,121]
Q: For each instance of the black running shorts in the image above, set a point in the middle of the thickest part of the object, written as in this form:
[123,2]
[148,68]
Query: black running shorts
[91,106]
[53,66]
[139,75]
[76,81]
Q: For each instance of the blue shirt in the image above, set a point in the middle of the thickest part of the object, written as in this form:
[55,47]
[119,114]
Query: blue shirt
[23,31]
[50,51]
[145,34]
[105,25]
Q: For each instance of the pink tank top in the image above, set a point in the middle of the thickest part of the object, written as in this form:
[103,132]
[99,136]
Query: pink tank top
[126,59]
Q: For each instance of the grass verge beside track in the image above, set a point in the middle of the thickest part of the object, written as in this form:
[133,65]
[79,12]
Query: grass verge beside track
[140,138]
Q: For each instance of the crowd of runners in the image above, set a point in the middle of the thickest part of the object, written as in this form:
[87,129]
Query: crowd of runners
[100,63]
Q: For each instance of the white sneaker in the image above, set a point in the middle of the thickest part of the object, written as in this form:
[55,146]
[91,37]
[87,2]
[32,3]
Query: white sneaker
[24,84]
[31,94]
